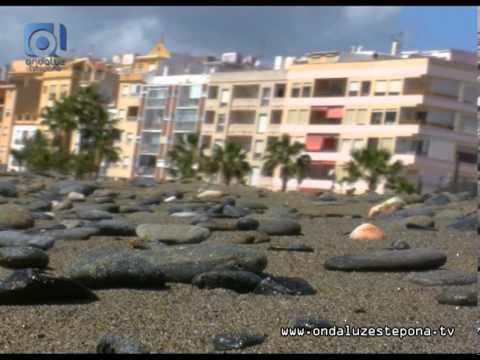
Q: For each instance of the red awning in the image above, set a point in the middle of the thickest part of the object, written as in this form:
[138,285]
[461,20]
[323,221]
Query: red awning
[314,142]
[335,113]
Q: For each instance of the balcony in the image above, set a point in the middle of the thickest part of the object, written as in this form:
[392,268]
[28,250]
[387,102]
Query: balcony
[146,171]
[241,129]
[152,125]
[149,148]
[156,102]
[188,126]
[187,102]
[244,103]
[321,143]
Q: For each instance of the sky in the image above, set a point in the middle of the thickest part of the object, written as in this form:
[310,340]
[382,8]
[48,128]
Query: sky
[262,31]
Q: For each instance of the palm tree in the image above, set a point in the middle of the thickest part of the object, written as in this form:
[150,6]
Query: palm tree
[372,165]
[280,153]
[230,161]
[186,157]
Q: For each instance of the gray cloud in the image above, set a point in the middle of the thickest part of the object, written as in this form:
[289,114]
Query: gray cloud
[266,31]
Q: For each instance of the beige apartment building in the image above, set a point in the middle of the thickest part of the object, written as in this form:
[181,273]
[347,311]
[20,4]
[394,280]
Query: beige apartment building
[422,109]
[246,107]
[34,91]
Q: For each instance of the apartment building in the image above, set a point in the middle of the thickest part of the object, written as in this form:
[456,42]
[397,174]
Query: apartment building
[247,108]
[420,108]
[161,102]
[37,90]
[172,107]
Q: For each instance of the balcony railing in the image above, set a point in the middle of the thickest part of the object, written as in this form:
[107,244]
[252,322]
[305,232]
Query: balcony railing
[152,125]
[153,102]
[188,102]
[145,171]
[186,126]
[150,148]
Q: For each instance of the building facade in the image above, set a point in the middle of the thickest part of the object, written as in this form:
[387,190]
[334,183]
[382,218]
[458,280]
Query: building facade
[422,109]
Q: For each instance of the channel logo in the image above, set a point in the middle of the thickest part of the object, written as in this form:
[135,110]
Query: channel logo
[40,39]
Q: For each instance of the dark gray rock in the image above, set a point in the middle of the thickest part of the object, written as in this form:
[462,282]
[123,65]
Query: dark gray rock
[234,212]
[144,183]
[292,248]
[284,286]
[178,263]
[17,257]
[115,228]
[458,297]
[246,224]
[239,281]
[173,234]
[252,205]
[31,286]
[273,226]
[327,197]
[93,214]
[420,222]
[467,223]
[15,217]
[39,205]
[389,260]
[79,233]
[16,238]
[67,186]
[154,199]
[438,199]
[8,189]
[442,278]
[129,209]
[236,341]
[113,344]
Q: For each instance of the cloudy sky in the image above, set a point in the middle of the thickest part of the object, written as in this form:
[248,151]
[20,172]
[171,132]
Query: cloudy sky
[264,31]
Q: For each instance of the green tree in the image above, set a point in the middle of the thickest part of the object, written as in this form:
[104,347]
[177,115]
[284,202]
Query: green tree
[35,155]
[280,153]
[230,161]
[372,165]
[84,113]
[186,156]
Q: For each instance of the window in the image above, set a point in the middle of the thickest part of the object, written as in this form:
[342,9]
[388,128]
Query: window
[407,145]
[213,92]
[135,89]
[220,123]
[470,94]
[276,117]
[386,144]
[362,116]
[372,143]
[262,123]
[380,87]
[266,94]
[376,117]
[258,149]
[195,91]
[307,91]
[209,117]
[390,117]
[357,144]
[295,92]
[52,92]
[365,91]
[354,88]
[321,171]
[225,97]
[63,91]
[395,87]
[279,90]
[132,112]
[467,157]
[349,118]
